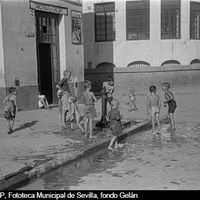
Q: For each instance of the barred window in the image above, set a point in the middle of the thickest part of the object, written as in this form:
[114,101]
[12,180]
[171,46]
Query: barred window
[194,20]
[170,19]
[104,22]
[137,20]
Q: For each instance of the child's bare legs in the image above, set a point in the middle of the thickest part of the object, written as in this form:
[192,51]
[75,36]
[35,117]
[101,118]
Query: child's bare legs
[72,125]
[158,122]
[64,113]
[60,118]
[112,142]
[171,117]
[153,122]
[91,127]
[78,123]
[86,126]
[8,126]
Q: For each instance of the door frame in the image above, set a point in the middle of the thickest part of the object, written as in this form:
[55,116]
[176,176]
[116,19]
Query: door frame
[56,43]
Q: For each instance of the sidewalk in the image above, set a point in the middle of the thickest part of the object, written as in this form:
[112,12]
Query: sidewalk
[38,138]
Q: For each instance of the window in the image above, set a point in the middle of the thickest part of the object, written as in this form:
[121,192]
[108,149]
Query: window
[137,20]
[170,19]
[139,64]
[194,20]
[170,63]
[104,22]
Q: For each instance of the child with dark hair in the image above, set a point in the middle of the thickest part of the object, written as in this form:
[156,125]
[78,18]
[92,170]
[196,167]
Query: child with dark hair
[10,109]
[171,104]
[89,111]
[153,108]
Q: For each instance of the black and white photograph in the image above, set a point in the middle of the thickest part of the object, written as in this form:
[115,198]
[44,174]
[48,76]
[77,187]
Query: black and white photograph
[99,98]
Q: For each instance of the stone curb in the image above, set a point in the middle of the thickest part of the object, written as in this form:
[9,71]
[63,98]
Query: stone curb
[28,173]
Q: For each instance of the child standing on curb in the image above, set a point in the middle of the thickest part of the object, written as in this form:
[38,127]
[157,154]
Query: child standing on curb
[64,87]
[171,104]
[89,111]
[10,109]
[115,123]
[153,108]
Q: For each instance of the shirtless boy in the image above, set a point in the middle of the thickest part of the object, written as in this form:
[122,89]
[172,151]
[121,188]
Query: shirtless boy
[153,108]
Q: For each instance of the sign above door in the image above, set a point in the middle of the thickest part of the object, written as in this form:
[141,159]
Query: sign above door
[48,8]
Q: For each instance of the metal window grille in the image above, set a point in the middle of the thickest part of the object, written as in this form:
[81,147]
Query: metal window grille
[105,22]
[137,20]
[194,20]
[170,19]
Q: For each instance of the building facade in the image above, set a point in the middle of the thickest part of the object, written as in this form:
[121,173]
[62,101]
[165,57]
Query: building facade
[135,36]
[38,41]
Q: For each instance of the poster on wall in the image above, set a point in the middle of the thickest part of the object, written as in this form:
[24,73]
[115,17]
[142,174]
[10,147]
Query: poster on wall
[76,27]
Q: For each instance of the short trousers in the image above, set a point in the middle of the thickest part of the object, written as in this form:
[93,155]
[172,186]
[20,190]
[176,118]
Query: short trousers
[171,106]
[90,111]
[9,115]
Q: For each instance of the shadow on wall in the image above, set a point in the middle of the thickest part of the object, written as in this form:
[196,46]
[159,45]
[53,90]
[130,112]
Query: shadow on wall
[98,75]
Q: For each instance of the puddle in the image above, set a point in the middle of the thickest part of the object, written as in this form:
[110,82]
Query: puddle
[141,149]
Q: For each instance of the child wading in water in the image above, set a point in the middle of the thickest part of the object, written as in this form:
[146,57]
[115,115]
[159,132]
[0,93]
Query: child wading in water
[89,111]
[10,109]
[115,123]
[153,108]
[171,104]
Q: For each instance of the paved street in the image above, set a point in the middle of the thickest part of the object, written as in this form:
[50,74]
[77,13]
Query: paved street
[169,161]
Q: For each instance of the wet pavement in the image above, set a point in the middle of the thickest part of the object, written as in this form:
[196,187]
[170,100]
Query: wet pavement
[168,161]
[155,163]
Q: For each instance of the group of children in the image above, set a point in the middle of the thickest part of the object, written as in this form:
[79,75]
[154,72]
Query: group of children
[154,105]
[69,112]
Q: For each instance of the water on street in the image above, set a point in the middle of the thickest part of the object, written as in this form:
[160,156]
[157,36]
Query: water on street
[146,162]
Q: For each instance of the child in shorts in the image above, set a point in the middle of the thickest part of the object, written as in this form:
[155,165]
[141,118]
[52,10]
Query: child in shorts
[153,108]
[169,99]
[89,111]
[74,114]
[10,109]
[115,123]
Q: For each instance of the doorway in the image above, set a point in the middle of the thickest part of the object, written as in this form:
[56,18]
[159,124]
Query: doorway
[45,71]
[48,54]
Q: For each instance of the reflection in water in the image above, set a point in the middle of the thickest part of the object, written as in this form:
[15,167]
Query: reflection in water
[71,175]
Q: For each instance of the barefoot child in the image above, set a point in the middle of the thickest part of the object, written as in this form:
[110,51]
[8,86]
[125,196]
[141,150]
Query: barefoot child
[64,87]
[89,111]
[10,109]
[132,100]
[74,114]
[171,104]
[115,123]
[153,108]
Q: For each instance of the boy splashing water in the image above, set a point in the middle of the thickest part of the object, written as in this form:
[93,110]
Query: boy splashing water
[153,108]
